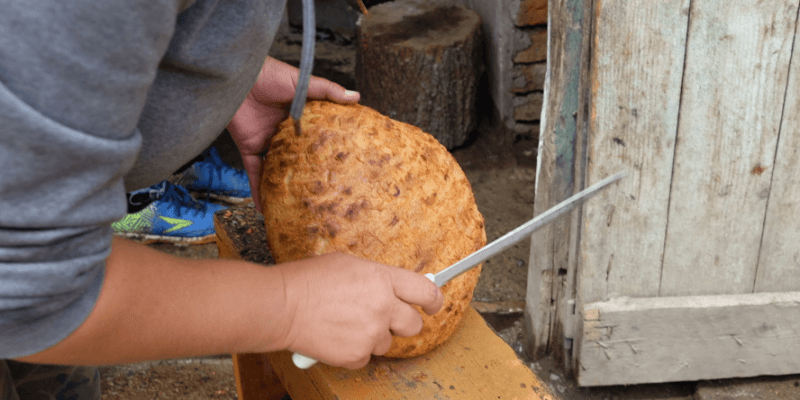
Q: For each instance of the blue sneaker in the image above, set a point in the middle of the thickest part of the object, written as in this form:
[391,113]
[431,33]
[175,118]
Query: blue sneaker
[216,179]
[172,216]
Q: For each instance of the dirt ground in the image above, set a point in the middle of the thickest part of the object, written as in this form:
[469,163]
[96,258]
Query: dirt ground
[503,181]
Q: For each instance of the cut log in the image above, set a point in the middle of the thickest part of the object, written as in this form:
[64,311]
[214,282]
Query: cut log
[420,62]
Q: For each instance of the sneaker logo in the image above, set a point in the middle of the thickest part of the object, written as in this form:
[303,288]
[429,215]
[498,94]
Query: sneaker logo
[177,223]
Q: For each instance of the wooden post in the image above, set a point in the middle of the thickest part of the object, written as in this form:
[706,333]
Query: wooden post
[551,271]
[420,62]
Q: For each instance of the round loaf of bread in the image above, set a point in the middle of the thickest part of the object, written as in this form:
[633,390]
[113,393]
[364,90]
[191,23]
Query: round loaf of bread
[358,182]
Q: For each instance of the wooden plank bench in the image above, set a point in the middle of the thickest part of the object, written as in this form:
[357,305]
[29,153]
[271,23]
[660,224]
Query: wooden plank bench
[473,363]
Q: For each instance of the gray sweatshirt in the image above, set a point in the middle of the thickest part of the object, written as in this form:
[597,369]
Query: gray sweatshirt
[100,97]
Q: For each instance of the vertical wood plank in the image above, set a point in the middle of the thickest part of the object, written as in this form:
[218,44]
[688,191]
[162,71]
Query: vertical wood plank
[779,260]
[735,78]
[550,246]
[637,64]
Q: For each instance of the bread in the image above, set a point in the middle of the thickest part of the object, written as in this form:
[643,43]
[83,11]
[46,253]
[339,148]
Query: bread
[359,182]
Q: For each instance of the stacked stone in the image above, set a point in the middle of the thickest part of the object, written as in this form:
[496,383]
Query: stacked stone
[530,65]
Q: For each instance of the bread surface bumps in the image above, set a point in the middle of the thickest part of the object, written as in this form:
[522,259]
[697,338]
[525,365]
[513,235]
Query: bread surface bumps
[358,182]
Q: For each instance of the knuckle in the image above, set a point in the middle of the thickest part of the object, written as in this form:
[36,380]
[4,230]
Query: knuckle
[356,360]
[431,295]
[417,324]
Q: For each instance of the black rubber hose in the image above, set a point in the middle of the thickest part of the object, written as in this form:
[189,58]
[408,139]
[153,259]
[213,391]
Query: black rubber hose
[306,63]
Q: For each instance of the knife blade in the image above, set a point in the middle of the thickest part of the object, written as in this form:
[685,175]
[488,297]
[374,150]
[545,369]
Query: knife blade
[509,239]
[520,233]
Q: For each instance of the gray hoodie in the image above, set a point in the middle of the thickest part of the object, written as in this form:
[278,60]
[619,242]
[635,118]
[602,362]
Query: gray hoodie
[100,97]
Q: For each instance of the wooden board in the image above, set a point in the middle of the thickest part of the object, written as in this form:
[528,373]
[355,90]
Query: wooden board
[472,364]
[779,258]
[628,341]
[637,63]
[735,78]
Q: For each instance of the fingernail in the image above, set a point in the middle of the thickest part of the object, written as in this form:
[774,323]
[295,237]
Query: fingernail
[350,93]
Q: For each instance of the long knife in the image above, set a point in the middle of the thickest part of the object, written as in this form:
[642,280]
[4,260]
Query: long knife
[520,233]
[509,239]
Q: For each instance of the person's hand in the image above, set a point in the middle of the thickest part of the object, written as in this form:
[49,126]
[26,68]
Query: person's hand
[267,105]
[344,308]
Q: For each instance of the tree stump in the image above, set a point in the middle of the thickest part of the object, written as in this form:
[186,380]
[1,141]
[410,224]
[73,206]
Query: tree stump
[420,62]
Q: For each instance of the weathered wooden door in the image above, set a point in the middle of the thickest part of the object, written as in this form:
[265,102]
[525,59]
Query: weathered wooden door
[689,268]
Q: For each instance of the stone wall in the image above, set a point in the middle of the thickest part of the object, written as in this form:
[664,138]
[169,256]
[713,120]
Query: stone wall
[529,67]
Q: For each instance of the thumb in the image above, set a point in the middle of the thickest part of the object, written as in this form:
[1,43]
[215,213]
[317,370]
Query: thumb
[323,89]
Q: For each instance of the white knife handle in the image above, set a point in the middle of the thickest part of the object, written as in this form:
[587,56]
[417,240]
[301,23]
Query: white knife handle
[303,362]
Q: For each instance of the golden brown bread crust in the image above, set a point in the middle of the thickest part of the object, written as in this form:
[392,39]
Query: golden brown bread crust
[360,183]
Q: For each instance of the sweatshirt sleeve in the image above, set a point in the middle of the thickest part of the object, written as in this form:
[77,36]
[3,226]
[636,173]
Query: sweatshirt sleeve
[74,77]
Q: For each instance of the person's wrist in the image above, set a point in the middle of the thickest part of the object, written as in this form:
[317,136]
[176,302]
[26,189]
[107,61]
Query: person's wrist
[286,330]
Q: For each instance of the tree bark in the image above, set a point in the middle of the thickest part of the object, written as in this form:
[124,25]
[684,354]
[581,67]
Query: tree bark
[420,62]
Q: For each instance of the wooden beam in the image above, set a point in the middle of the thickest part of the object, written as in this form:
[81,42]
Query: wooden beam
[474,363]
[648,340]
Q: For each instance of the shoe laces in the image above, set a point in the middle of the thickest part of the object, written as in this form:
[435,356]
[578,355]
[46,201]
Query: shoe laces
[217,167]
[183,199]
[147,195]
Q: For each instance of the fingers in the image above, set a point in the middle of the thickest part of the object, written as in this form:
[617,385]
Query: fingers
[383,344]
[323,89]
[252,164]
[415,288]
[405,320]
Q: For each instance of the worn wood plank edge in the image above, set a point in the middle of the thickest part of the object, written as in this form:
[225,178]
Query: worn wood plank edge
[669,339]
[549,280]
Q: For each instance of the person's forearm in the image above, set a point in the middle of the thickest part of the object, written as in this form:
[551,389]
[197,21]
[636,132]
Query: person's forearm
[157,306]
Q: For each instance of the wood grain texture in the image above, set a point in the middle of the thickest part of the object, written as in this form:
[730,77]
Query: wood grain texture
[779,259]
[637,65]
[629,341]
[737,64]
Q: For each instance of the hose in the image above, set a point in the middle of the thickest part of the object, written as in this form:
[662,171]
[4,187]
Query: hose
[306,64]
